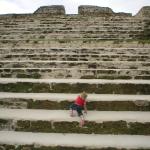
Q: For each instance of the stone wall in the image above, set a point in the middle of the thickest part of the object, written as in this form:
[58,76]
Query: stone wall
[88,10]
[94,10]
[123,14]
[54,10]
[144,12]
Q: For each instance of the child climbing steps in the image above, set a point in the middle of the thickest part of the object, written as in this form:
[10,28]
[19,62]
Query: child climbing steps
[79,105]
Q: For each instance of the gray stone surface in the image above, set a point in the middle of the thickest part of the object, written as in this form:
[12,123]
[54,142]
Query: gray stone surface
[54,10]
[94,10]
[144,12]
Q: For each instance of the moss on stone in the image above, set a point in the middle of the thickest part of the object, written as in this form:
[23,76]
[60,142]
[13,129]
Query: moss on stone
[88,77]
[116,106]
[34,126]
[34,147]
[114,77]
[106,127]
[5,75]
[7,147]
[92,105]
[43,104]
[13,103]
[3,121]
[139,128]
[34,76]
[23,125]
[4,103]
[75,88]
[41,126]
[143,77]
[116,127]
[66,127]
[25,147]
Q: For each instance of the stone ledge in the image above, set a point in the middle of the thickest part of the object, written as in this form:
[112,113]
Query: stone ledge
[96,141]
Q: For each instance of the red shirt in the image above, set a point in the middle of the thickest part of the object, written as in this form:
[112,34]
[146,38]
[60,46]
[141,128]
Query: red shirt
[80,101]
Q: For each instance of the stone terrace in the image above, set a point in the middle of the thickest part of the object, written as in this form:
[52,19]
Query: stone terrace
[47,58]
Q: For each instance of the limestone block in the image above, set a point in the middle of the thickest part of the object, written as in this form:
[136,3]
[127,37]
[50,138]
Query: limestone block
[54,10]
[144,12]
[94,10]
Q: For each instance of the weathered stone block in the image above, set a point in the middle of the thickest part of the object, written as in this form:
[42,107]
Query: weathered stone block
[53,10]
[144,12]
[94,10]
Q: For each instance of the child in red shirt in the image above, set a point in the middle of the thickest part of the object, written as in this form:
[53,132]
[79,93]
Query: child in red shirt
[78,105]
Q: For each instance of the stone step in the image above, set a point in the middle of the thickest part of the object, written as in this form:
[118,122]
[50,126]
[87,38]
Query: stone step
[77,30]
[103,122]
[78,51]
[47,73]
[74,43]
[77,57]
[61,40]
[71,97]
[56,31]
[65,37]
[97,86]
[74,28]
[69,37]
[28,140]
[62,101]
[71,19]
[76,64]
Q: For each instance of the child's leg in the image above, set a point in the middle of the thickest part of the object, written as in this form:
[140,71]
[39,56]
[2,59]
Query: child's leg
[80,114]
[82,121]
[72,110]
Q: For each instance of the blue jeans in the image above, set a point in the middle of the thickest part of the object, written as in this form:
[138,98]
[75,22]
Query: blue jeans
[77,108]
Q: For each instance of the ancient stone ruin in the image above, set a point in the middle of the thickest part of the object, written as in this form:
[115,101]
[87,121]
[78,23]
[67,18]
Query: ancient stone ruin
[49,57]
[53,10]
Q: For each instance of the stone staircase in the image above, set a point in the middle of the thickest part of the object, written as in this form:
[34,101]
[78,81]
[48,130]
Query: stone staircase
[47,58]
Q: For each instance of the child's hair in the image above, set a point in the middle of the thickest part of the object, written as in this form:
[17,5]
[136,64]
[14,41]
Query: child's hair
[83,95]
